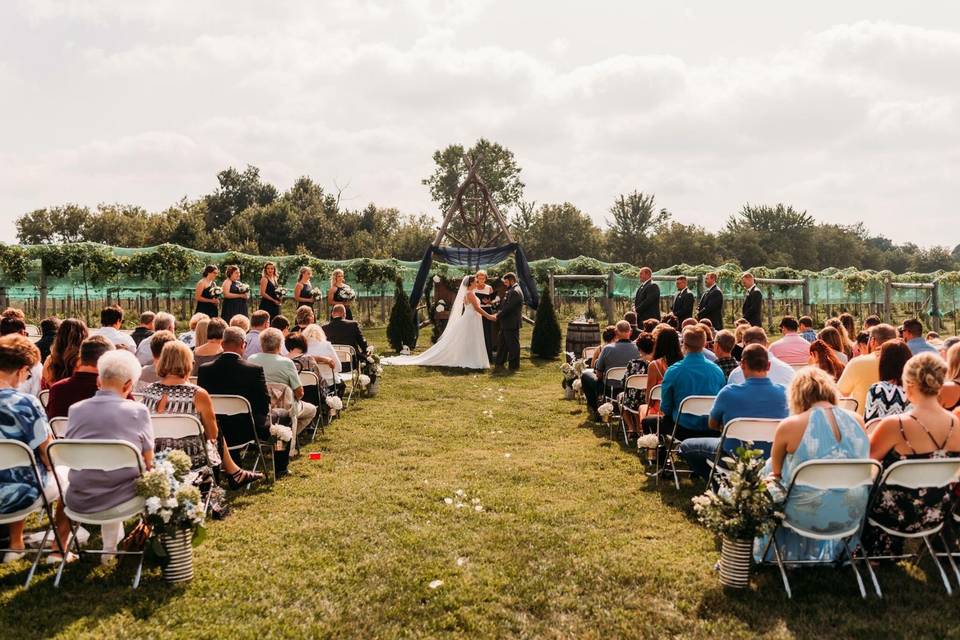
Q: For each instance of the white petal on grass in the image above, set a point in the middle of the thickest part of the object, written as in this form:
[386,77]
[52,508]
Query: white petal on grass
[475,501]
[460,493]
[478,508]
[461,561]
[448,500]
[436,583]
[459,505]
[506,455]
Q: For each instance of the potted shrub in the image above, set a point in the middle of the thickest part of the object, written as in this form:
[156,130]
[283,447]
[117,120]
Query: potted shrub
[173,512]
[739,510]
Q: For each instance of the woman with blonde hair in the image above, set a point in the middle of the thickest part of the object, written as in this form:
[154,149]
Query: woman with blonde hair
[817,429]
[926,431]
[340,292]
[204,294]
[270,299]
[235,295]
[303,291]
[322,350]
[200,333]
[304,318]
[950,393]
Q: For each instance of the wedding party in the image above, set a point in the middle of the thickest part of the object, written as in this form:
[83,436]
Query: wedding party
[435,318]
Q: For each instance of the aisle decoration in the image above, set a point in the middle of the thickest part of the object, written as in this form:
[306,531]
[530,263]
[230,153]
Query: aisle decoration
[741,509]
[174,513]
[571,372]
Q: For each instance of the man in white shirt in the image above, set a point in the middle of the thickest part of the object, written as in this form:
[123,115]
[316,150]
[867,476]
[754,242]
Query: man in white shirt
[111,319]
[161,322]
[792,348]
[780,371]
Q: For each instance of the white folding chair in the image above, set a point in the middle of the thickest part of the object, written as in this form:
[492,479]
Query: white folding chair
[100,455]
[175,426]
[848,403]
[59,426]
[233,405]
[870,426]
[310,381]
[656,395]
[138,396]
[637,381]
[589,353]
[827,475]
[691,406]
[33,331]
[44,397]
[745,430]
[15,454]
[327,373]
[936,473]
[346,353]
[611,375]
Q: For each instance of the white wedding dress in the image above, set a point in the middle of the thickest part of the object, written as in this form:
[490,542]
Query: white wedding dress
[460,345]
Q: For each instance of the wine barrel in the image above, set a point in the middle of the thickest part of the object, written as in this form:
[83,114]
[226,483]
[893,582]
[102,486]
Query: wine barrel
[581,335]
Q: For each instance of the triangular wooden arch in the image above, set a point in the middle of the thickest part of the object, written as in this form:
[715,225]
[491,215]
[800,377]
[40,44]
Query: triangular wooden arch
[475,227]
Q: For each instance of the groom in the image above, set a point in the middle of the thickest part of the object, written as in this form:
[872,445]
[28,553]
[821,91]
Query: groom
[510,317]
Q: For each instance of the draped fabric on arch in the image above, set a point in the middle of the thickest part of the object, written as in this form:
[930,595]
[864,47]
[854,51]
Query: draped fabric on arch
[474,259]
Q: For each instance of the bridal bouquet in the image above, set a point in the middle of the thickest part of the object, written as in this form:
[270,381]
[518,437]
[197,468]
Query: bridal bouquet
[173,503]
[347,293]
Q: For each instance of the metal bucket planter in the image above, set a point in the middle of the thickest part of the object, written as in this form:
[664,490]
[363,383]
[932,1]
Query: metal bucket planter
[735,558]
[179,548]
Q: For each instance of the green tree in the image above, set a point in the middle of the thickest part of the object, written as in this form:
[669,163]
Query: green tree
[401,330]
[785,234]
[65,223]
[412,237]
[181,224]
[635,220]
[236,192]
[562,231]
[546,339]
[118,225]
[676,243]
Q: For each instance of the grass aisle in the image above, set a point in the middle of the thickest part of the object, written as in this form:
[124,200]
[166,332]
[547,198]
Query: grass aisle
[571,542]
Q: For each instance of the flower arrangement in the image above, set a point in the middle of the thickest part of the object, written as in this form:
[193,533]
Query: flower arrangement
[436,279]
[281,432]
[216,292]
[173,503]
[335,404]
[243,288]
[605,410]
[373,361]
[363,381]
[742,507]
[346,293]
[281,292]
[441,306]
[317,294]
[405,350]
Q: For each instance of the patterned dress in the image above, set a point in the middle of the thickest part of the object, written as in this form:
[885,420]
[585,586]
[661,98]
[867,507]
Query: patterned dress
[633,398]
[22,418]
[180,400]
[908,510]
[885,399]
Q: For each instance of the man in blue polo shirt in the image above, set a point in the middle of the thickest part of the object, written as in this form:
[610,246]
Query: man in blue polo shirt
[692,376]
[913,336]
[756,397]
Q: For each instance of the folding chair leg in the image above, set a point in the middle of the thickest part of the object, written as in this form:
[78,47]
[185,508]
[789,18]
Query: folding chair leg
[936,561]
[873,574]
[953,564]
[856,571]
[66,552]
[139,572]
[36,560]
[783,571]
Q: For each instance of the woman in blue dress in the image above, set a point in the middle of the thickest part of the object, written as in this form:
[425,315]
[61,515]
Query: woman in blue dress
[817,429]
[235,295]
[206,300]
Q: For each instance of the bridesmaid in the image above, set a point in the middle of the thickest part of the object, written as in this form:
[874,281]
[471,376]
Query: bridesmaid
[203,294]
[340,292]
[235,295]
[303,292]
[269,298]
[484,293]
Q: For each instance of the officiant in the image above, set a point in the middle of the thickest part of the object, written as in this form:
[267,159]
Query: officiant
[485,294]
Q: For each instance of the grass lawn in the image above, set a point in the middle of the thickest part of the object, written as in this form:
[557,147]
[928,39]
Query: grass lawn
[572,542]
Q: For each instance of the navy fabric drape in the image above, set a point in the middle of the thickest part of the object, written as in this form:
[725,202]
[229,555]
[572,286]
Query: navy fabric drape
[474,259]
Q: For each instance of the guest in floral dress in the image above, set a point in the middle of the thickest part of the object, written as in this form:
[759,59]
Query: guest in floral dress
[927,431]
[817,430]
[888,397]
[633,399]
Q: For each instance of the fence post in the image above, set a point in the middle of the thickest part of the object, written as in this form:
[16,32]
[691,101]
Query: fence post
[770,307]
[935,306]
[43,292]
[888,300]
[551,290]
[701,286]
[608,300]
[806,295]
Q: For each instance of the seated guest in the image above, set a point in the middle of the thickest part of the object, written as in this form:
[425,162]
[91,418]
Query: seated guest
[83,383]
[861,372]
[161,322]
[259,322]
[650,324]
[692,376]
[950,392]
[280,370]
[825,358]
[757,397]
[631,317]
[633,398]
[618,354]
[48,332]
[149,373]
[22,419]
[870,322]
[145,328]
[806,328]
[188,337]
[708,348]
[200,333]
[304,318]
[913,336]
[319,347]
[887,397]
[792,348]
[723,346]
[850,327]
[280,323]
[862,344]
[296,346]
[65,351]
[926,431]
[212,347]
[347,332]
[241,322]
[780,372]
[108,415]
[817,429]
[229,374]
[834,338]
[15,325]
[607,337]
[111,319]
[666,352]
[739,329]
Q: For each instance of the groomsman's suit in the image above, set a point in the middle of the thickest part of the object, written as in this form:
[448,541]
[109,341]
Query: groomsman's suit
[683,305]
[647,301]
[711,307]
[753,306]
[510,317]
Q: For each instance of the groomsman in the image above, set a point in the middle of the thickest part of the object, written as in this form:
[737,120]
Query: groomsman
[711,303]
[683,302]
[647,301]
[753,302]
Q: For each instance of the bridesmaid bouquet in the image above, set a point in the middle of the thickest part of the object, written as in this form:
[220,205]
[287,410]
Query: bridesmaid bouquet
[347,293]
[242,288]
[281,292]
[317,294]
[216,292]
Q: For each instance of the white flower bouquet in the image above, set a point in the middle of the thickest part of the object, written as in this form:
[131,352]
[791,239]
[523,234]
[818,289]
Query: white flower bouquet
[648,441]
[441,307]
[363,381]
[243,288]
[281,292]
[334,404]
[281,432]
[173,503]
[347,293]
[216,292]
[605,410]
[436,279]
[317,294]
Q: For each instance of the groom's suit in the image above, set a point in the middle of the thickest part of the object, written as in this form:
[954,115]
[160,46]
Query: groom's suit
[510,317]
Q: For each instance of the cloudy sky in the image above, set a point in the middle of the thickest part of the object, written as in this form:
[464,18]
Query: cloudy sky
[850,110]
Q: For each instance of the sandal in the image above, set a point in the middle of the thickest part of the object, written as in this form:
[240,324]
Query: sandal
[241,478]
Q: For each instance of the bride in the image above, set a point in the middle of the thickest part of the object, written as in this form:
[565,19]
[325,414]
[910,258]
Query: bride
[461,344]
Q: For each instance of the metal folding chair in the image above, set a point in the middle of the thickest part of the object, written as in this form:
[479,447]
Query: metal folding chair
[935,473]
[233,405]
[175,426]
[311,393]
[589,353]
[59,426]
[44,397]
[850,404]
[637,381]
[100,455]
[828,475]
[611,375]
[15,454]
[346,353]
[691,406]
[745,430]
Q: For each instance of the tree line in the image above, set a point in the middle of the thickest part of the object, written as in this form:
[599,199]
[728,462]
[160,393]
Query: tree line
[248,215]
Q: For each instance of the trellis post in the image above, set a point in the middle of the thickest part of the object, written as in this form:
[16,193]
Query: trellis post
[608,300]
[43,291]
[806,295]
[888,300]
[935,306]
[770,306]
[551,289]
